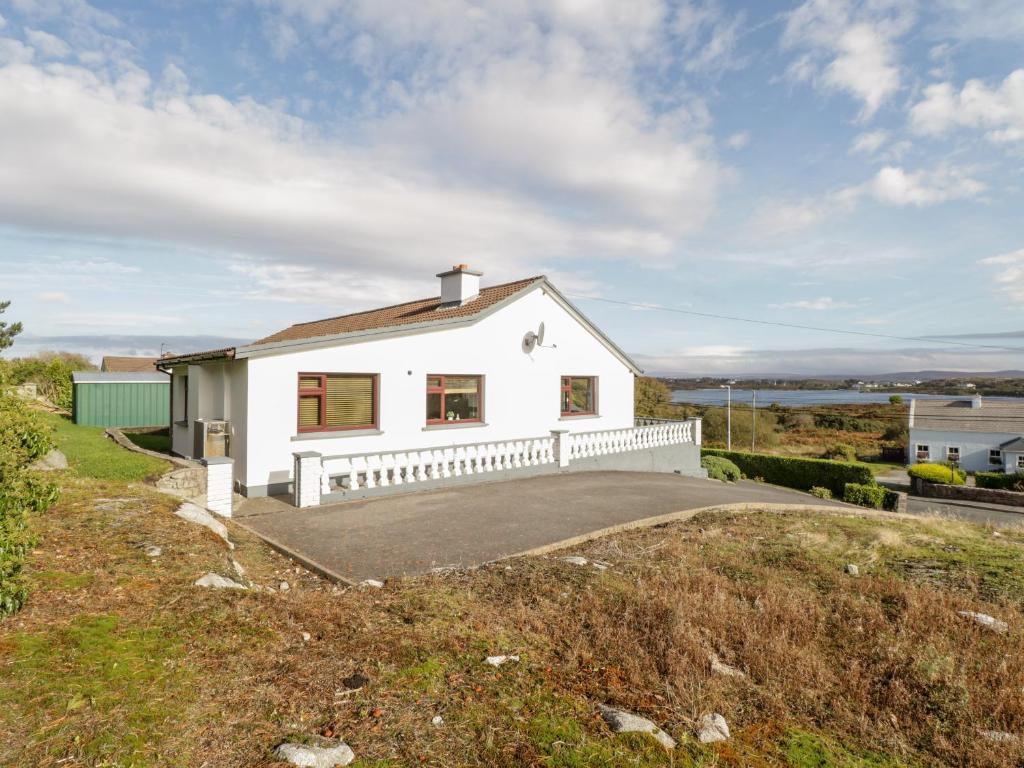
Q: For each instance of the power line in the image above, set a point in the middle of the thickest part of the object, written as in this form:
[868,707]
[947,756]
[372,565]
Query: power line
[778,324]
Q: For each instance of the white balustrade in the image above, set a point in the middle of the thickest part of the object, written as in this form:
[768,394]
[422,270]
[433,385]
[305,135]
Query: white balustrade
[585,444]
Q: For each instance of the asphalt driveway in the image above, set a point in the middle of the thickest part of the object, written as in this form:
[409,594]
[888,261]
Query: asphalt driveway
[472,524]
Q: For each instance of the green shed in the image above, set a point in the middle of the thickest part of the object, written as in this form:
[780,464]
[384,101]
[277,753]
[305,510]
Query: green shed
[102,399]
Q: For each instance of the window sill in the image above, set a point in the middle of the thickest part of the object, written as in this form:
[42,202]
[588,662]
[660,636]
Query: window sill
[455,425]
[335,434]
[577,417]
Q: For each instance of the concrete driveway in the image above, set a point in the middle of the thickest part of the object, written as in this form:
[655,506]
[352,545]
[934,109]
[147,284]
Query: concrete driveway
[473,524]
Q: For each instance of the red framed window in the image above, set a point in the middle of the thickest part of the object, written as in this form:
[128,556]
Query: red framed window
[579,395]
[454,398]
[337,401]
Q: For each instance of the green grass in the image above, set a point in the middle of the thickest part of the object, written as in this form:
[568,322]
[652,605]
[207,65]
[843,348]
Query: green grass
[96,672]
[92,454]
[809,750]
[151,441]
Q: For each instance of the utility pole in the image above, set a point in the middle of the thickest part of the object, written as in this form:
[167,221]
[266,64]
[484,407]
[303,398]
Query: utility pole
[753,419]
[728,415]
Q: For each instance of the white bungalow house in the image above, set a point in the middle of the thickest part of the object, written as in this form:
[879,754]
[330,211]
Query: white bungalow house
[978,435]
[505,378]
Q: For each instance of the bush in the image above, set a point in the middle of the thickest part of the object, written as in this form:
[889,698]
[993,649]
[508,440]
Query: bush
[821,493]
[840,452]
[799,473]
[938,473]
[23,439]
[721,469]
[1000,480]
[872,496]
[895,399]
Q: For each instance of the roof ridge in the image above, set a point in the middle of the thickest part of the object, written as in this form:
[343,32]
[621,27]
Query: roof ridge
[407,303]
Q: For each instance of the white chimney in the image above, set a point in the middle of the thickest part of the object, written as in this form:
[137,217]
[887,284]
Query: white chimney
[459,285]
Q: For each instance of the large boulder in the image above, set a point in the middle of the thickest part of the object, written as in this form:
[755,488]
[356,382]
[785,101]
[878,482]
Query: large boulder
[199,516]
[324,753]
[621,721]
[54,460]
[712,728]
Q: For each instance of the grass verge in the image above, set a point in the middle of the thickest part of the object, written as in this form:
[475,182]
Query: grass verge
[93,455]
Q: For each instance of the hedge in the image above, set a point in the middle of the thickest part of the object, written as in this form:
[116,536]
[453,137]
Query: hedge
[721,469]
[1000,480]
[23,439]
[793,472]
[873,496]
[938,473]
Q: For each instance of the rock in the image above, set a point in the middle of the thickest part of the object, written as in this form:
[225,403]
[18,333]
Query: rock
[237,567]
[306,637]
[621,721]
[284,586]
[575,560]
[356,681]
[199,516]
[372,583]
[497,661]
[216,581]
[989,622]
[999,737]
[324,753]
[852,570]
[54,460]
[152,550]
[437,721]
[719,667]
[712,728]
[601,566]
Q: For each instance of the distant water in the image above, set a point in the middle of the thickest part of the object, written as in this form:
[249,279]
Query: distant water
[766,397]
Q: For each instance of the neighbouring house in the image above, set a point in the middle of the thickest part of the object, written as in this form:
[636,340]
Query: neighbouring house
[115,364]
[475,380]
[109,399]
[977,434]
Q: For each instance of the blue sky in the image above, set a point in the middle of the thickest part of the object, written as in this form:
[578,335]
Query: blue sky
[180,169]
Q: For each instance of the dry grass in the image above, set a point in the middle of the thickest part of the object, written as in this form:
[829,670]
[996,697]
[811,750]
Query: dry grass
[119,661]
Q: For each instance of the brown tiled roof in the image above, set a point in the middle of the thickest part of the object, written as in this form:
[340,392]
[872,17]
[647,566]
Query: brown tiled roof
[998,416]
[421,311]
[114,364]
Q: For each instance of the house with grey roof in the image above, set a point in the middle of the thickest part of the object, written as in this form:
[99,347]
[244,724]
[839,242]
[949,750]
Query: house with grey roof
[979,435]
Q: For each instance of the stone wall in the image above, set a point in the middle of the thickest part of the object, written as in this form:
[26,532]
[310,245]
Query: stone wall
[921,487]
[186,482]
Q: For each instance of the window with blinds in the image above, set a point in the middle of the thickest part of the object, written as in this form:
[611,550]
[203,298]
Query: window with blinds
[337,401]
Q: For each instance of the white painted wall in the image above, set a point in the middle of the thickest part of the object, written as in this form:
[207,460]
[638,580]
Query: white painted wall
[521,397]
[974,447]
[216,390]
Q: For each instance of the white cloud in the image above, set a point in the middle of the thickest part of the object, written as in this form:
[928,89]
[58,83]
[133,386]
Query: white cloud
[1009,275]
[891,185]
[869,143]
[52,297]
[738,140]
[14,52]
[849,47]
[47,44]
[3,21]
[980,19]
[710,36]
[818,305]
[999,111]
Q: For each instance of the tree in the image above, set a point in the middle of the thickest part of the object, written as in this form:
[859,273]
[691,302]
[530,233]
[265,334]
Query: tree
[7,332]
[650,396]
[895,399]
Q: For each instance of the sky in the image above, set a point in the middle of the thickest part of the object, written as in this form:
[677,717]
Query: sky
[178,175]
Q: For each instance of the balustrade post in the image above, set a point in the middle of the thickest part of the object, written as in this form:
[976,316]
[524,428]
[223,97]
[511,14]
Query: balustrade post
[561,443]
[306,484]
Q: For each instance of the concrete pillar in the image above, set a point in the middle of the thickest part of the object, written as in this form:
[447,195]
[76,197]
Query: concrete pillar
[696,432]
[220,482]
[306,479]
[561,446]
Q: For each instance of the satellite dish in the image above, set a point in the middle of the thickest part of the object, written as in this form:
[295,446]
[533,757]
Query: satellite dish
[533,340]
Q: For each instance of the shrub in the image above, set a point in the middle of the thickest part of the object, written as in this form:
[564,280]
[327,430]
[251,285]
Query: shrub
[721,469]
[1000,480]
[895,399]
[872,496]
[938,473]
[840,452]
[799,473]
[821,493]
[23,439]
